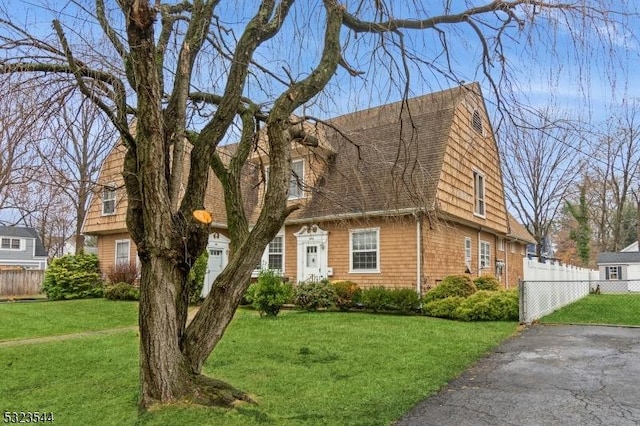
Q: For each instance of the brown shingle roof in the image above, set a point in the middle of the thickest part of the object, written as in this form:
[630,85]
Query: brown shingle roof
[518,231]
[387,158]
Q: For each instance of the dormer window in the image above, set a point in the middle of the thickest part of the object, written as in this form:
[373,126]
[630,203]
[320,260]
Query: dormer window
[108,200]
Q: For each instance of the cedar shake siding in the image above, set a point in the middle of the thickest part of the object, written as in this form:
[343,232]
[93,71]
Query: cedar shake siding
[414,188]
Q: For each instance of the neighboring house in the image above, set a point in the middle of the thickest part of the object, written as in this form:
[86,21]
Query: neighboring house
[21,248]
[631,247]
[620,266]
[401,196]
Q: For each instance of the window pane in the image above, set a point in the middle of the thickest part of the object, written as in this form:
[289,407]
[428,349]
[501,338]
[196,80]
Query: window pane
[364,248]
[297,179]
[15,244]
[365,260]
[6,243]
[275,253]
[275,261]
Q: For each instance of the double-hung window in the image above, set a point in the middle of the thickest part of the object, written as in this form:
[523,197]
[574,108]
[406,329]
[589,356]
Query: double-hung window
[467,252]
[275,254]
[485,254]
[297,179]
[478,193]
[365,250]
[613,272]
[10,244]
[123,249]
[108,200]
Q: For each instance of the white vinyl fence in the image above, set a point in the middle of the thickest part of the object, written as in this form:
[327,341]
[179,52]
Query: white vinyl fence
[549,286]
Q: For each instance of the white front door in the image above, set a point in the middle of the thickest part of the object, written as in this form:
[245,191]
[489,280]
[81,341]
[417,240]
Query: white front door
[218,250]
[312,253]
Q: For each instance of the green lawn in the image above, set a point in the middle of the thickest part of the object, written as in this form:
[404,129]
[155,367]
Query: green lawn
[21,320]
[616,309]
[302,368]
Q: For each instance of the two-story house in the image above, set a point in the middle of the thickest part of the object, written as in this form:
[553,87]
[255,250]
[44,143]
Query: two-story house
[400,196]
[21,248]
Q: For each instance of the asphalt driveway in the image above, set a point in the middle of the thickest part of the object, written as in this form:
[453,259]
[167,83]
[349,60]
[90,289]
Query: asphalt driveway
[546,375]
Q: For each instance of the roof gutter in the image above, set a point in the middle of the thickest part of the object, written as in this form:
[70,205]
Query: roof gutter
[355,215]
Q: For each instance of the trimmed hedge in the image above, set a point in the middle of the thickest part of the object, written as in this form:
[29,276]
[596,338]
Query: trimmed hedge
[443,308]
[314,295]
[489,306]
[73,277]
[347,294]
[452,285]
[122,291]
[487,282]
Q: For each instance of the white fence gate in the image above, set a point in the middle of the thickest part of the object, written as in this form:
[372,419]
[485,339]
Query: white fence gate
[549,286]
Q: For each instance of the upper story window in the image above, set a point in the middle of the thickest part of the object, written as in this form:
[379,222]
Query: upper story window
[501,244]
[478,193]
[108,200]
[297,179]
[365,250]
[476,122]
[11,243]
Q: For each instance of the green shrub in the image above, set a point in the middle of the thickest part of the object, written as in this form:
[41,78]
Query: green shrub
[196,278]
[376,299]
[487,282]
[73,277]
[312,295]
[269,293]
[489,306]
[404,300]
[443,308]
[347,294]
[122,291]
[452,285]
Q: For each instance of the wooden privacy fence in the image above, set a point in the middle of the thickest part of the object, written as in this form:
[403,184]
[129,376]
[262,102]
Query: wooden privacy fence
[17,283]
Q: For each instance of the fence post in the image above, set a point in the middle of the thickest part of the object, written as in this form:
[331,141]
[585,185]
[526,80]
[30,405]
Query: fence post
[521,313]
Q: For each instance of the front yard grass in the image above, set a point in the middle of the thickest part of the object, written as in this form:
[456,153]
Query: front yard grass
[23,320]
[614,309]
[302,368]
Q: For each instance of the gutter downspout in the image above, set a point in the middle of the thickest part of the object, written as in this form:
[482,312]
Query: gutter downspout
[419,255]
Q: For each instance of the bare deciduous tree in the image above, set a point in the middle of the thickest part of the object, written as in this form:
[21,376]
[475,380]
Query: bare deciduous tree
[192,72]
[541,161]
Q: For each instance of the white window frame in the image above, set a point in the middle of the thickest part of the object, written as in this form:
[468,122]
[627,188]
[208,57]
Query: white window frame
[500,244]
[479,194]
[296,183]
[614,271]
[484,254]
[109,190]
[119,261]
[513,246]
[353,232]
[264,261]
[467,252]
[270,253]
[21,244]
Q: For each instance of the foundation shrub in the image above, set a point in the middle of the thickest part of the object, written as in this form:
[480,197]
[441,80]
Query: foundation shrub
[443,308]
[404,300]
[314,295]
[269,293]
[122,291]
[376,299]
[347,294]
[489,306]
[487,282]
[123,273]
[451,285]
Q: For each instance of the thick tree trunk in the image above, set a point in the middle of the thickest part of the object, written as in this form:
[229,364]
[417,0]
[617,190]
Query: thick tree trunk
[165,374]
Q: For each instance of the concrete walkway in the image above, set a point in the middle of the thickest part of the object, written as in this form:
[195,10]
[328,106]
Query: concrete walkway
[546,375]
